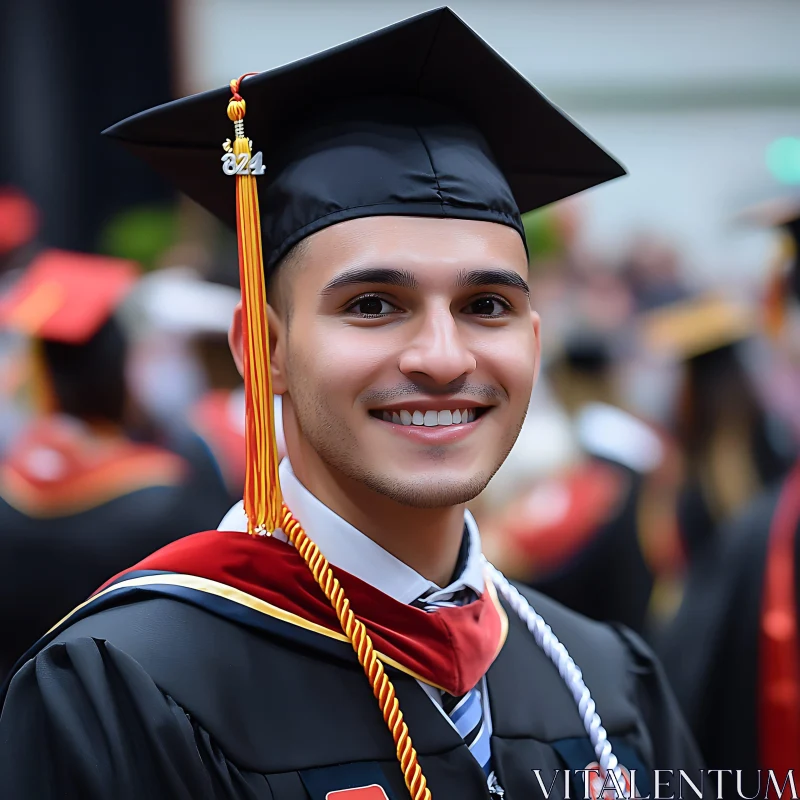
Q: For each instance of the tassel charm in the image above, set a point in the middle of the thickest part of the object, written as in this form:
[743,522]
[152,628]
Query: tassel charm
[262,492]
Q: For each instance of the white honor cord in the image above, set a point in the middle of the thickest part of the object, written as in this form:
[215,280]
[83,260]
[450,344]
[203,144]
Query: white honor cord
[567,668]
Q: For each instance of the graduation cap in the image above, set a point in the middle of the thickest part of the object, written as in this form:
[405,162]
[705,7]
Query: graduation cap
[690,328]
[422,118]
[65,301]
[66,297]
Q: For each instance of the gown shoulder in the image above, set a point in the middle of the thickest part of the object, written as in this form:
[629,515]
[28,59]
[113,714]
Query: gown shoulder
[622,670]
[84,720]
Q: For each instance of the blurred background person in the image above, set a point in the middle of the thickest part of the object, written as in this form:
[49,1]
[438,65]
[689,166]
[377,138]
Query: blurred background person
[79,499]
[575,535]
[733,651]
[19,226]
[177,306]
[728,440]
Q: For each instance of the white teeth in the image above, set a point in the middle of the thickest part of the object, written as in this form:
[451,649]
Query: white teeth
[430,419]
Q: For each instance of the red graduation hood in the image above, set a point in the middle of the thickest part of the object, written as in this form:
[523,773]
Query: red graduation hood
[451,648]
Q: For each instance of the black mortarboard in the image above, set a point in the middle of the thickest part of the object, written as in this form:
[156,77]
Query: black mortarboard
[422,118]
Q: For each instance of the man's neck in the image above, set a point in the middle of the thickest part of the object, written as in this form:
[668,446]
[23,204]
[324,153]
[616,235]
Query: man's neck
[426,539]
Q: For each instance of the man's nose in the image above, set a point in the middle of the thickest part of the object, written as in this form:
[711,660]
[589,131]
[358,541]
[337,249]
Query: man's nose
[438,350]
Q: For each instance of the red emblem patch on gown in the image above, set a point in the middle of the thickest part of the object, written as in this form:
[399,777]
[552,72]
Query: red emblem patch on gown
[600,788]
[373,792]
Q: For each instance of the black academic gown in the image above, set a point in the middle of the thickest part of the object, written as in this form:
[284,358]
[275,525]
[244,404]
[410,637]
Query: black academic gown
[711,650]
[51,562]
[608,579]
[48,566]
[162,699]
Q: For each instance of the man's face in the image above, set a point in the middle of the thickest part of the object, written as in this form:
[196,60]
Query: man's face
[410,355]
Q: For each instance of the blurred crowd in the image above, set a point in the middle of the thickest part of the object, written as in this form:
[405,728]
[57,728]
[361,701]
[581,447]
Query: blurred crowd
[660,413]
[660,416]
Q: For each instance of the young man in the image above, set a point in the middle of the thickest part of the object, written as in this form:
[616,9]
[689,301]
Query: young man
[369,657]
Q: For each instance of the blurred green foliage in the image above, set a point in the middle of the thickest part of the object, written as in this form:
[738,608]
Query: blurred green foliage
[143,234]
[543,233]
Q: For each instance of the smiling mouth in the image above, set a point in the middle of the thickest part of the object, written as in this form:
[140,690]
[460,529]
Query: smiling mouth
[431,418]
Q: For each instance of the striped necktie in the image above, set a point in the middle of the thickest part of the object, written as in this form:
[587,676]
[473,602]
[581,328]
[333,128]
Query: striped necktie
[466,711]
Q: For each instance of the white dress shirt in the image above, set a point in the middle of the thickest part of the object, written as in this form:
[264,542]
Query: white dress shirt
[347,548]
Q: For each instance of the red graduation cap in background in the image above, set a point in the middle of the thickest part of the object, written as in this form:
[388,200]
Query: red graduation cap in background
[67,297]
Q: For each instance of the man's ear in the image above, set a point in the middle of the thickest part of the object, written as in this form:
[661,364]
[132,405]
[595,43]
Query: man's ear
[277,349]
[537,334]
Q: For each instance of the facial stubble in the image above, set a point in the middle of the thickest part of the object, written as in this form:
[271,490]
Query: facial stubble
[332,439]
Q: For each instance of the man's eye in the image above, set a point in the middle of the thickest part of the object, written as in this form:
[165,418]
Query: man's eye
[488,307]
[371,306]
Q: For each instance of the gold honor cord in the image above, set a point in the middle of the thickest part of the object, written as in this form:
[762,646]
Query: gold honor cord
[263,503]
[382,686]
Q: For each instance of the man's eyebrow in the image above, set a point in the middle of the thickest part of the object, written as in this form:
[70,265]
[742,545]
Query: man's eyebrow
[492,277]
[379,275]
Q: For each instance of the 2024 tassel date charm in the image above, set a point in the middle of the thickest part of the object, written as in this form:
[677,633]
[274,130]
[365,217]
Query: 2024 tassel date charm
[243,163]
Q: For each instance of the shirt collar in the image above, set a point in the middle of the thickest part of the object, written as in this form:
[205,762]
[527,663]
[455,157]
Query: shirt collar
[349,549]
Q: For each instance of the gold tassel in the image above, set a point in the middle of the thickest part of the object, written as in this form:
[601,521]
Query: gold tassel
[262,491]
[263,503]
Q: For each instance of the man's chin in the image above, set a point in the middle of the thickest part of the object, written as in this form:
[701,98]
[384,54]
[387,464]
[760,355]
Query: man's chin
[429,490]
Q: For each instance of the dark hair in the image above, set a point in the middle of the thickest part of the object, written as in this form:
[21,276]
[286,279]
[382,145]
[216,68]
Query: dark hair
[277,295]
[88,379]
